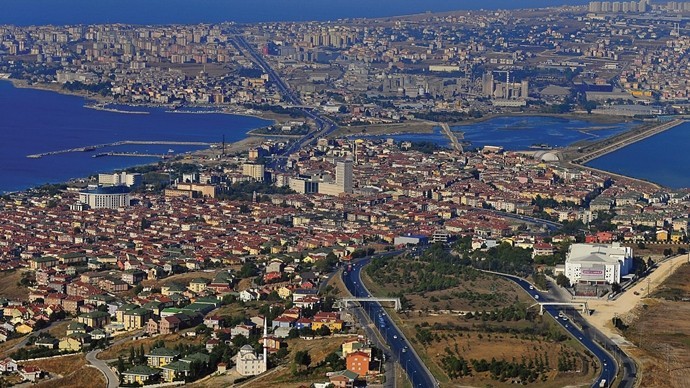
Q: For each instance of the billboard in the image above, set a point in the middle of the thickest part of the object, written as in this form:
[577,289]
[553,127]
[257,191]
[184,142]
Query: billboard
[593,273]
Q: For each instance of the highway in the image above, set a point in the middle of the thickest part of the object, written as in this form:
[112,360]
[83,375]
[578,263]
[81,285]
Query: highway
[551,225]
[588,337]
[403,352]
[325,126]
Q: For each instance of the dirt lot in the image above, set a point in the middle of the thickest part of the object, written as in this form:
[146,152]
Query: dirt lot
[170,341]
[655,251]
[483,293]
[81,378]
[183,278]
[474,342]
[282,375]
[660,330]
[9,288]
[72,371]
[439,315]
[605,310]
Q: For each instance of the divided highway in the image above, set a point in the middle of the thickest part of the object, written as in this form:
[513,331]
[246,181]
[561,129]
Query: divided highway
[587,337]
[418,373]
[325,125]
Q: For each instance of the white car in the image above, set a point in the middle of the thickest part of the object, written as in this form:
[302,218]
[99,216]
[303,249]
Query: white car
[395,336]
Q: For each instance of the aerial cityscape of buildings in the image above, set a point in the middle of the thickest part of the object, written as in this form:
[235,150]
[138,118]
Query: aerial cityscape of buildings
[221,265]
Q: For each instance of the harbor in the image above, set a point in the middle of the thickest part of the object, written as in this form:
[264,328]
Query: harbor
[120,143]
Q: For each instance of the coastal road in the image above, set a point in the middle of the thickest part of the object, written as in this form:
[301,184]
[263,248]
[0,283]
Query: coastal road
[589,337]
[403,352]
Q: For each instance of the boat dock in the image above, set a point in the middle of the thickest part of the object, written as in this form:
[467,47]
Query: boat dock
[120,143]
[610,145]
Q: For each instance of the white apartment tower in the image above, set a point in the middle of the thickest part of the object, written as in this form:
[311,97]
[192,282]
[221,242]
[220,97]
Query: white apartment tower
[343,175]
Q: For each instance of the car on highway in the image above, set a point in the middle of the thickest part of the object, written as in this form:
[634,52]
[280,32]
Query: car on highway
[395,336]
[531,287]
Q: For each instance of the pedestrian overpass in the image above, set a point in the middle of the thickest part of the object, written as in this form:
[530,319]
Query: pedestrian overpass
[396,301]
[583,305]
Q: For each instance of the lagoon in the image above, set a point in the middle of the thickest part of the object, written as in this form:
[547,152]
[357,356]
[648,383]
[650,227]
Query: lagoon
[521,132]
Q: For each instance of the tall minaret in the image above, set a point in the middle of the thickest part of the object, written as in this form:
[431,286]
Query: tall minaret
[265,344]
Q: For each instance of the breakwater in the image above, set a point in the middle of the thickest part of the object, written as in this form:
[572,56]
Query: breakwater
[118,143]
[612,144]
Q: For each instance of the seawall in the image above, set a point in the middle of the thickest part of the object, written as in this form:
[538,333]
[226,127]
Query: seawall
[610,145]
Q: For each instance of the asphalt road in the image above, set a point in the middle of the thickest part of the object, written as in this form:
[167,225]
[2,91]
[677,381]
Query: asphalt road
[588,337]
[325,126]
[112,380]
[418,373]
[360,314]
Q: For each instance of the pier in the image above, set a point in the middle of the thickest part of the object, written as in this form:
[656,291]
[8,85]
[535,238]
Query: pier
[120,143]
[610,145]
[162,156]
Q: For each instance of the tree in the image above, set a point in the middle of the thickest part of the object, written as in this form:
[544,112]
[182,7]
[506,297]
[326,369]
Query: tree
[335,361]
[562,280]
[616,288]
[239,340]
[589,106]
[302,358]
[323,331]
[120,364]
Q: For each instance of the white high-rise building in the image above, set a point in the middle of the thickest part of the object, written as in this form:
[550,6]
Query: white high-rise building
[343,180]
[343,175]
[254,170]
[120,179]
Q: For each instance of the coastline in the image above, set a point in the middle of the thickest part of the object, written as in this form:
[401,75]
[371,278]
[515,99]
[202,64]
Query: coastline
[596,119]
[205,155]
[90,99]
[409,127]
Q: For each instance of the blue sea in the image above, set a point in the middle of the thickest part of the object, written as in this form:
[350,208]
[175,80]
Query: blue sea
[662,158]
[521,132]
[36,121]
[58,12]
